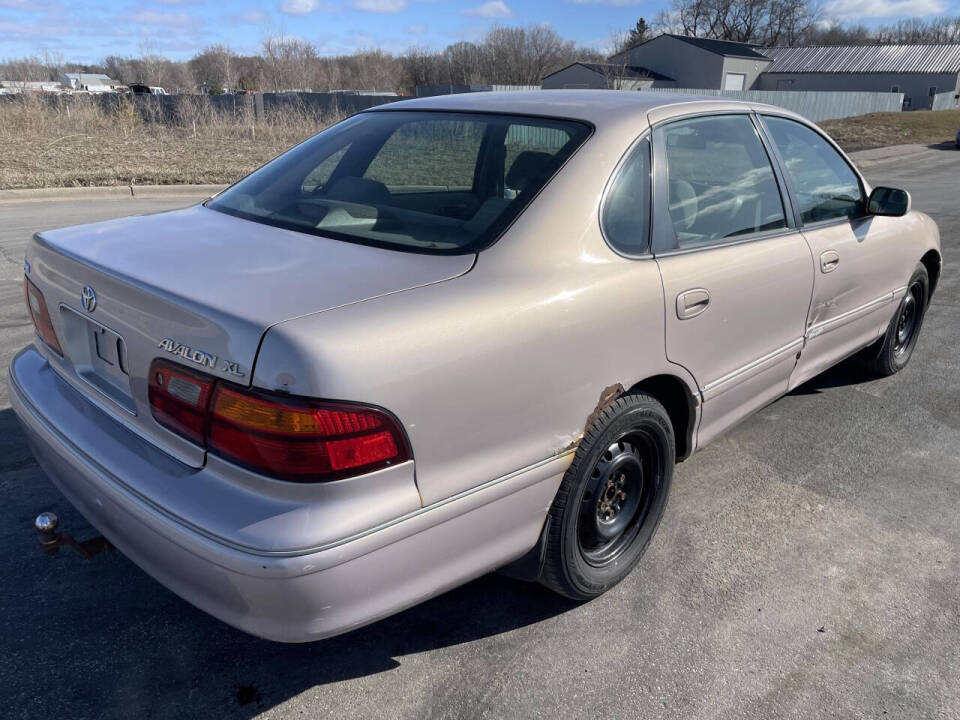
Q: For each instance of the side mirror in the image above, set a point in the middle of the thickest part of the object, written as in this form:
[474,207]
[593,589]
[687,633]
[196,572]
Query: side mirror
[888,201]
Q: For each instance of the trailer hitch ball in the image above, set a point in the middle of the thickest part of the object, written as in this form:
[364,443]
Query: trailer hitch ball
[50,540]
[46,522]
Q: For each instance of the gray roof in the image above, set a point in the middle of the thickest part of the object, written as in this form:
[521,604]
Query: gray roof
[96,78]
[627,71]
[727,48]
[865,59]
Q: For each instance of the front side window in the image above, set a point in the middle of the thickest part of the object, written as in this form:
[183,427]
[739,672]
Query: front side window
[435,182]
[720,184]
[824,185]
[626,212]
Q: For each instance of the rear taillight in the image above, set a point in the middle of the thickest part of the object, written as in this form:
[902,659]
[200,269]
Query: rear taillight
[301,439]
[274,434]
[37,307]
[179,399]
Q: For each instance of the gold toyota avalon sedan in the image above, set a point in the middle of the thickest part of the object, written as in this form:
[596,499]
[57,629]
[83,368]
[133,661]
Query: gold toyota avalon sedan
[448,336]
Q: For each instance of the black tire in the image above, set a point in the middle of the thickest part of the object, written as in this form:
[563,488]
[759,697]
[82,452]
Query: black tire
[892,352]
[611,499]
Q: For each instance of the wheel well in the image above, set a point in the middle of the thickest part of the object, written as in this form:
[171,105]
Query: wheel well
[678,401]
[931,261]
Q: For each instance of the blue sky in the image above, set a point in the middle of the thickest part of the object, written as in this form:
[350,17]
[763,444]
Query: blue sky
[88,30]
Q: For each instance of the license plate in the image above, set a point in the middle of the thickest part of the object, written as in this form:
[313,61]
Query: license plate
[99,356]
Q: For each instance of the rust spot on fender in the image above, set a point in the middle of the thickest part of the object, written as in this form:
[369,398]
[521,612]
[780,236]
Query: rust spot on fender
[609,394]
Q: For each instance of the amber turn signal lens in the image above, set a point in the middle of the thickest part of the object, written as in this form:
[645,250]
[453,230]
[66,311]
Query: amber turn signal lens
[37,307]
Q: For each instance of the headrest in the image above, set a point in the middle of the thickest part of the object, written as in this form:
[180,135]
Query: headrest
[683,204]
[527,166]
[359,190]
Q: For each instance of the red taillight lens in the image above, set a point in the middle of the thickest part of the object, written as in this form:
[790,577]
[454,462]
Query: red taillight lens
[179,399]
[37,307]
[301,439]
[279,436]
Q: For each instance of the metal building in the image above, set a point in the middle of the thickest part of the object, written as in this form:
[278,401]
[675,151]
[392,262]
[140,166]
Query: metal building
[698,62]
[927,75]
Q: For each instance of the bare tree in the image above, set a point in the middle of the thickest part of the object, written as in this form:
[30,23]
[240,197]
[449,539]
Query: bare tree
[288,63]
[464,61]
[765,22]
[214,67]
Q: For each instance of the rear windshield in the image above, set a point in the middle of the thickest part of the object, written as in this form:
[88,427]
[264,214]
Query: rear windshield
[418,181]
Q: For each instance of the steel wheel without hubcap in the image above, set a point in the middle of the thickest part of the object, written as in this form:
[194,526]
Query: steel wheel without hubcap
[617,500]
[611,499]
[907,320]
[892,352]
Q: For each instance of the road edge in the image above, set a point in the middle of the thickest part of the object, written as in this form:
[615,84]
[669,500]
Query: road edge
[110,192]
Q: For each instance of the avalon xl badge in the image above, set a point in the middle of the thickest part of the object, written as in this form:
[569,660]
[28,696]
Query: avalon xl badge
[200,357]
[88,298]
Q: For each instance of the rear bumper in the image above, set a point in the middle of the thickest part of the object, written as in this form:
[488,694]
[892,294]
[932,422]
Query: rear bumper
[290,597]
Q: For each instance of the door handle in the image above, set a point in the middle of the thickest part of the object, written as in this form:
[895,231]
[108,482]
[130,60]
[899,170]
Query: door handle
[829,261]
[691,303]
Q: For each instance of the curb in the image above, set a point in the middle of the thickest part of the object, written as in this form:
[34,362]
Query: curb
[111,192]
[876,156]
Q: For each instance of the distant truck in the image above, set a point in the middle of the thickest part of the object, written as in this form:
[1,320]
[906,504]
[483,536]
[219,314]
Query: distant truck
[141,89]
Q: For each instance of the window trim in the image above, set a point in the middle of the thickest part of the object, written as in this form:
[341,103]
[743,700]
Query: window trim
[607,188]
[663,230]
[864,187]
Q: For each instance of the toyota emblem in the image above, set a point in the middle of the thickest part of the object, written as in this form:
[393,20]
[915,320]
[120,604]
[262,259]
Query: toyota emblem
[88,298]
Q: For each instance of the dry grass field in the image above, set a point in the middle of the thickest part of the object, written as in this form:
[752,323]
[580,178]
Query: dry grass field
[43,145]
[924,127]
[49,146]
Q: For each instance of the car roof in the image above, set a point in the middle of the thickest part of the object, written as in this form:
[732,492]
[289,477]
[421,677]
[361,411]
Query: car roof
[599,107]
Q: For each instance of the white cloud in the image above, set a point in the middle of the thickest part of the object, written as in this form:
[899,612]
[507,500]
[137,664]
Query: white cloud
[491,9]
[299,7]
[380,6]
[863,9]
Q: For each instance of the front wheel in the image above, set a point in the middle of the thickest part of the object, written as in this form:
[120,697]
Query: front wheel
[893,351]
[611,499]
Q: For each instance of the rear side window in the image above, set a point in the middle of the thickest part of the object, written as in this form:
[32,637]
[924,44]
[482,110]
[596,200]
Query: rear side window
[626,213]
[721,184]
[824,185]
[437,182]
[527,148]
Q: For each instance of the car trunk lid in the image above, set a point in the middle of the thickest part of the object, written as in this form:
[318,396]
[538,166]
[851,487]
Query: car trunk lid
[201,288]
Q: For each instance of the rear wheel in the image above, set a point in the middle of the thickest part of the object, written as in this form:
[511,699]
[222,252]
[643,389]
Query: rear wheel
[611,499]
[893,351]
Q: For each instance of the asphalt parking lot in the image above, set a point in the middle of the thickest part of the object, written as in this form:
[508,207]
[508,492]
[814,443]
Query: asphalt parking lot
[808,566]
